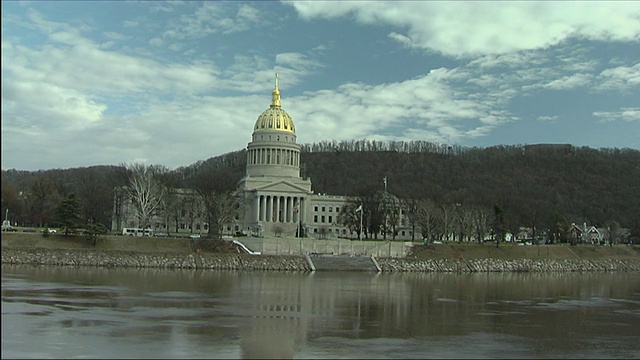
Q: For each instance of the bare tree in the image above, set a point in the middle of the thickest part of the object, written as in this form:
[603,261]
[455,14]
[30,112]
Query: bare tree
[426,212]
[215,188]
[42,198]
[221,208]
[480,223]
[350,216]
[446,218]
[464,223]
[145,190]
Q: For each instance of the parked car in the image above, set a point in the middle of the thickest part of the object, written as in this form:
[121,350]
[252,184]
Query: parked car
[9,229]
[29,230]
[162,235]
[195,236]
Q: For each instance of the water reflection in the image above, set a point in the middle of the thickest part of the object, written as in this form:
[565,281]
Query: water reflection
[191,313]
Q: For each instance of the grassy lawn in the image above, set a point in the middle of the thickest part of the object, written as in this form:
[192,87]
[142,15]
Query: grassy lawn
[109,242]
[513,251]
[468,251]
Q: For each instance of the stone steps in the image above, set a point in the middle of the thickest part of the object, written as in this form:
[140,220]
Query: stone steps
[343,263]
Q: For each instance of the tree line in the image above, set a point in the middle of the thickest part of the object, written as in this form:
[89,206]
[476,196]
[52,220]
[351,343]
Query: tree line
[540,186]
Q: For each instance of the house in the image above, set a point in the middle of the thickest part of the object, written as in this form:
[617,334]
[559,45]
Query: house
[585,234]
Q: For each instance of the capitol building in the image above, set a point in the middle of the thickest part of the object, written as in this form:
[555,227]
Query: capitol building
[275,200]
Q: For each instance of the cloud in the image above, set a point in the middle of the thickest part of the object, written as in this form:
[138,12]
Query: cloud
[620,78]
[624,114]
[461,29]
[547,118]
[568,82]
[431,107]
[213,18]
[72,61]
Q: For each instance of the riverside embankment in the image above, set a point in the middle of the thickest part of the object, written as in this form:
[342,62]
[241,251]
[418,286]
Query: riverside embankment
[177,254]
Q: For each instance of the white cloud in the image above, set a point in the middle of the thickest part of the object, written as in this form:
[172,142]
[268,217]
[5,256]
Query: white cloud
[85,66]
[624,114]
[547,118]
[213,18]
[460,28]
[621,78]
[427,107]
[568,82]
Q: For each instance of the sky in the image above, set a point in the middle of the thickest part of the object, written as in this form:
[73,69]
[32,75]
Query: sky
[175,82]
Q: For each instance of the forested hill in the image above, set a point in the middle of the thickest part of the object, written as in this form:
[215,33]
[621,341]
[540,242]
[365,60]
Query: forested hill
[531,182]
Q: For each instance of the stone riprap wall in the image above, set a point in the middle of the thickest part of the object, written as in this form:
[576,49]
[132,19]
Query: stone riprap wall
[152,260]
[506,265]
[297,246]
[40,256]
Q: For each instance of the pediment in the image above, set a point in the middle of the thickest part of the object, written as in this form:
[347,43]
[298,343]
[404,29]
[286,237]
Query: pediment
[283,186]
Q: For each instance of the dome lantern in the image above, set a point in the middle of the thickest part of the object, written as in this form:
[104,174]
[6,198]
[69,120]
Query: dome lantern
[275,96]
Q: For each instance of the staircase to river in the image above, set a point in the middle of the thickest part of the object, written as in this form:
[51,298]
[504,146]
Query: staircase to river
[343,263]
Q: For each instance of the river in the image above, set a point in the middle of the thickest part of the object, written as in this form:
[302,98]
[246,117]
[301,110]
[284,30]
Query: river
[64,312]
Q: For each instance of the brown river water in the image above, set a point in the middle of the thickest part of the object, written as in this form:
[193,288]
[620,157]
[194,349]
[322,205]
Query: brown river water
[63,312]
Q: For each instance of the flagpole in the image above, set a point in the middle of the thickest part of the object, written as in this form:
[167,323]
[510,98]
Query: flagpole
[360,233]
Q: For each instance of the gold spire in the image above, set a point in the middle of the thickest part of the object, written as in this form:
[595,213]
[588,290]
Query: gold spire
[275,95]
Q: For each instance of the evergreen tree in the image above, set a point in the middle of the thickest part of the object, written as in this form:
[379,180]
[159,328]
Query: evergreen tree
[93,230]
[68,212]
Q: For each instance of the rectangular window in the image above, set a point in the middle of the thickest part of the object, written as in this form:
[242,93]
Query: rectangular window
[330,209]
[323,218]
[330,219]
[323,210]
[315,208]
[337,209]
[315,218]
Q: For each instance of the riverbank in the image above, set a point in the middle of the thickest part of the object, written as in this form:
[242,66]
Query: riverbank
[177,254]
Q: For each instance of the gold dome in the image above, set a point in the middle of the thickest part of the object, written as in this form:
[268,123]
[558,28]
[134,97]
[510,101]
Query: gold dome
[274,118]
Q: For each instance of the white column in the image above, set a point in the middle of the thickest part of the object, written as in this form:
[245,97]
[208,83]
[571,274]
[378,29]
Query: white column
[303,210]
[291,205]
[269,208]
[277,218]
[256,208]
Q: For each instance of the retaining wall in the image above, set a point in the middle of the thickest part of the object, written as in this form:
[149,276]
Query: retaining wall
[152,260]
[68,257]
[298,246]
